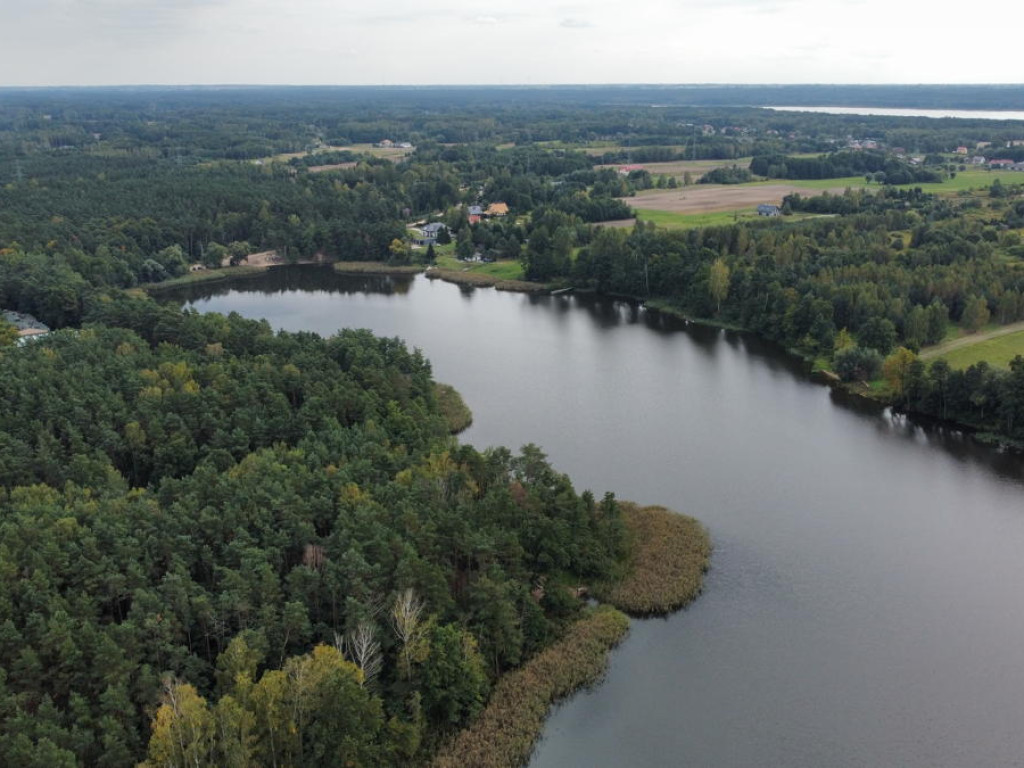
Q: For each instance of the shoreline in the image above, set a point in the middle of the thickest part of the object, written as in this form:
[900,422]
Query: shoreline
[853,388]
[375,268]
[206,276]
[457,414]
[669,554]
[478,280]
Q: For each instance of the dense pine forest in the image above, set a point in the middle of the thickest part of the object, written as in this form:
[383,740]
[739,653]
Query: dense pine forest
[181,515]
[223,545]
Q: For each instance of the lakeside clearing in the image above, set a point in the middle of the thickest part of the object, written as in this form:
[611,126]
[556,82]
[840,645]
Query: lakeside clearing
[997,346]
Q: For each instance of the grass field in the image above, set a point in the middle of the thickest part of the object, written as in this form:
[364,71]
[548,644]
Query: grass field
[996,344]
[388,153]
[998,351]
[672,220]
[964,180]
[501,270]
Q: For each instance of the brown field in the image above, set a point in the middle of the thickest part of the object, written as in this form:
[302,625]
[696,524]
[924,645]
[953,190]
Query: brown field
[715,197]
[335,167]
[617,223]
[388,153]
[696,168]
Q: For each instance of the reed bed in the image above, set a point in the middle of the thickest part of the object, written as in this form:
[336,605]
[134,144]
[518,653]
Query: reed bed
[504,734]
[205,276]
[375,268]
[668,558]
[483,281]
[454,409]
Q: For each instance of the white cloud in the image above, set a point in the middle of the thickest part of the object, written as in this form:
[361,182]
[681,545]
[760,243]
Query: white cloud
[456,41]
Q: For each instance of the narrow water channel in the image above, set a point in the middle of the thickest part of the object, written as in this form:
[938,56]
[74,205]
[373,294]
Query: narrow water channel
[864,606]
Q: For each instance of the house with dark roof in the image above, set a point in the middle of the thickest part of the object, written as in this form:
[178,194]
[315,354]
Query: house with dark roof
[766,209]
[429,232]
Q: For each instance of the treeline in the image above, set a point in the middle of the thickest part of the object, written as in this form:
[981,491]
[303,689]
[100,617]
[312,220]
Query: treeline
[858,201]
[981,396]
[204,501]
[800,285]
[884,168]
[113,222]
[726,175]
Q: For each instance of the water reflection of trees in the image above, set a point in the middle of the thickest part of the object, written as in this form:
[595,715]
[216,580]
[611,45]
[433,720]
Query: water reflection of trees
[288,279]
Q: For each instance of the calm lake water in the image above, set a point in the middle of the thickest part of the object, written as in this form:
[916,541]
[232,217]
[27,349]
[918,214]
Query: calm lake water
[975,114]
[864,606]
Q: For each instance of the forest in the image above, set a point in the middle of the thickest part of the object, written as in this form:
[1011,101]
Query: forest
[194,517]
[222,545]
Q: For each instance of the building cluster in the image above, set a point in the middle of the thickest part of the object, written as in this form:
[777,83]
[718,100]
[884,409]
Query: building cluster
[28,327]
[427,234]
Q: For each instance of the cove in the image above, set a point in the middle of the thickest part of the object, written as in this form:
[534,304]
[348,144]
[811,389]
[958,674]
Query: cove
[863,605]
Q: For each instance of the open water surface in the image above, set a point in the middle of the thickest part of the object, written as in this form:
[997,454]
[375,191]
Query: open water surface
[865,605]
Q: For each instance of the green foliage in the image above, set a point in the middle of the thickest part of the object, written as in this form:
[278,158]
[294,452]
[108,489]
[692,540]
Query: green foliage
[858,363]
[8,333]
[206,508]
[726,175]
[505,732]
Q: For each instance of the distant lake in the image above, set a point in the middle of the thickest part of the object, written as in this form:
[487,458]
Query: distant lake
[864,604]
[973,114]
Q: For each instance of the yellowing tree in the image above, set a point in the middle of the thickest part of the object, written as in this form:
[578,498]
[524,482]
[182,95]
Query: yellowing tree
[183,730]
[718,282]
[8,333]
[896,369]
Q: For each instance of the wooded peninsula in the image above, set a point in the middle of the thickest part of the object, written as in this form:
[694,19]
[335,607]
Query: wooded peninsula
[225,545]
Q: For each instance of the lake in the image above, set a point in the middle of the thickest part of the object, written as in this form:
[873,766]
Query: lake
[974,114]
[862,608]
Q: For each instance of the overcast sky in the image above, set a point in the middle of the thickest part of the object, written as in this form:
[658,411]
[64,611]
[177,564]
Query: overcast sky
[94,42]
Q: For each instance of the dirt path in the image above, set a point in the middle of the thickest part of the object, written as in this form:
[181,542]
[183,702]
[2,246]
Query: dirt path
[969,340]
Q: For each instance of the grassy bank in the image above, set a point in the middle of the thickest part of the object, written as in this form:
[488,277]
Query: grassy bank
[481,280]
[505,732]
[669,554]
[667,308]
[206,276]
[375,268]
[453,408]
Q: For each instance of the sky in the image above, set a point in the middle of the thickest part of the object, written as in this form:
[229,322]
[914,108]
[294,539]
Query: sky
[342,42]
